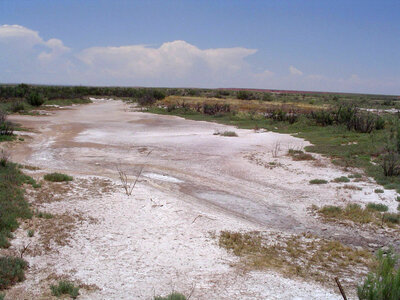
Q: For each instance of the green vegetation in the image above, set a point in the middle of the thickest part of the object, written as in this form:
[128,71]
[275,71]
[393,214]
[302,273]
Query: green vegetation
[172,296]
[229,133]
[11,271]
[35,99]
[318,181]
[12,203]
[65,288]
[300,155]
[378,207]
[2,296]
[57,177]
[384,282]
[373,213]
[31,233]
[379,191]
[341,179]
[43,215]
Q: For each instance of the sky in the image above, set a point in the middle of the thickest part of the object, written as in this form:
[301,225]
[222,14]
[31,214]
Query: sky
[321,45]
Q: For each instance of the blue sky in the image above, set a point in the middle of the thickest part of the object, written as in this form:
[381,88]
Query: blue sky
[349,46]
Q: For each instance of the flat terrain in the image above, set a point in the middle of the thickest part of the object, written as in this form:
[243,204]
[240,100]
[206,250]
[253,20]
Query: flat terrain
[193,185]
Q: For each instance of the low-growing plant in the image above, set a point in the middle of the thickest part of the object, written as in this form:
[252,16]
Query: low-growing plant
[31,233]
[341,179]
[35,99]
[57,177]
[318,181]
[43,215]
[228,133]
[4,156]
[379,191]
[384,282]
[300,155]
[64,288]
[2,296]
[172,296]
[356,175]
[391,218]
[377,206]
[11,271]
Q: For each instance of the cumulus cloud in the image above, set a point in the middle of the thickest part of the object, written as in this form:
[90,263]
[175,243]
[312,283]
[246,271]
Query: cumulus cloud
[295,71]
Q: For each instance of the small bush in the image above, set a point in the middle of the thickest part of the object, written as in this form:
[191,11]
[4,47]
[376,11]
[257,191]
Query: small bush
[17,106]
[31,233]
[11,271]
[384,282]
[172,296]
[65,288]
[300,155]
[391,218]
[356,175]
[35,99]
[377,206]
[58,177]
[379,191]
[229,133]
[341,179]
[331,210]
[318,181]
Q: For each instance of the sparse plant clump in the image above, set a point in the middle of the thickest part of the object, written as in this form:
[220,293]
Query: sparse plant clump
[35,99]
[341,179]
[65,288]
[300,155]
[379,191]
[384,282]
[229,133]
[172,296]
[391,218]
[356,175]
[57,177]
[6,128]
[377,206]
[318,181]
[31,233]
[43,215]
[11,271]
[4,156]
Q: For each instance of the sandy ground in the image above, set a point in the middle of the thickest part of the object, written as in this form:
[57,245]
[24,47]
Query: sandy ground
[194,184]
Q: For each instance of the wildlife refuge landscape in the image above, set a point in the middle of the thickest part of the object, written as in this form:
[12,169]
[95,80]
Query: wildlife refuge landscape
[192,193]
[199,150]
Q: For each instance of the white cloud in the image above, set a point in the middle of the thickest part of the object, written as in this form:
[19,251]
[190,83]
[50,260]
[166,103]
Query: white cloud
[295,71]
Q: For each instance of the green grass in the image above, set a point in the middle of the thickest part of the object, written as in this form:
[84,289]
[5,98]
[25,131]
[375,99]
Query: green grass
[13,206]
[11,271]
[172,296]
[64,288]
[43,215]
[58,177]
[229,133]
[379,191]
[378,207]
[341,179]
[318,181]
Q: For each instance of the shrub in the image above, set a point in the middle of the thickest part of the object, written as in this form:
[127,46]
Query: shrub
[391,218]
[384,282]
[57,177]
[4,156]
[331,210]
[11,271]
[229,133]
[318,181]
[65,288]
[379,191]
[172,296]
[6,128]
[244,95]
[377,206]
[391,164]
[17,106]
[341,179]
[35,99]
[356,175]
[300,155]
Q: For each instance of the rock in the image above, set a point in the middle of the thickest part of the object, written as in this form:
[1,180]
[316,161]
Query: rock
[371,245]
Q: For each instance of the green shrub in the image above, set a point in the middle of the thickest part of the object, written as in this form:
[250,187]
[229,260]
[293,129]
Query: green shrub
[244,95]
[172,296]
[331,210]
[379,191]
[65,288]
[377,206]
[57,177]
[35,99]
[229,133]
[391,218]
[398,198]
[2,296]
[341,179]
[318,181]
[11,271]
[356,175]
[384,282]
[31,233]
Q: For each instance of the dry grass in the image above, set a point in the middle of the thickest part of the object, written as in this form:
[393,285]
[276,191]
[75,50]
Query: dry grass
[300,155]
[300,255]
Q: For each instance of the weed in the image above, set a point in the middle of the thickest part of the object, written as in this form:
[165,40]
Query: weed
[391,218]
[341,179]
[379,191]
[58,177]
[378,207]
[318,181]
[384,282]
[43,215]
[172,296]
[11,271]
[300,155]
[65,288]
[228,133]
[356,175]
[31,233]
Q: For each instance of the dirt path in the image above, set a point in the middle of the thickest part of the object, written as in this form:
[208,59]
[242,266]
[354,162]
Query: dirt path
[197,182]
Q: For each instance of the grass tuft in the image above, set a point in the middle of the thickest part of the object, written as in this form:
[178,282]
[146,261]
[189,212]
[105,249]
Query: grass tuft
[58,177]
[377,206]
[379,191]
[172,296]
[11,271]
[318,181]
[65,288]
[341,179]
[229,133]
[300,155]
